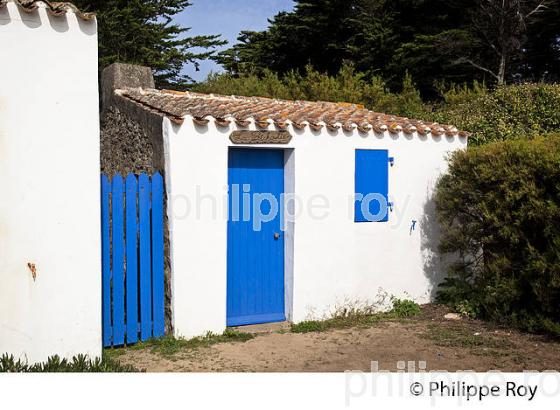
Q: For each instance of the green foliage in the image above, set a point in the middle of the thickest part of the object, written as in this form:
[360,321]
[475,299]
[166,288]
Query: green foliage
[499,207]
[405,308]
[169,346]
[339,321]
[309,326]
[378,36]
[142,32]
[318,32]
[359,317]
[466,308]
[454,95]
[347,86]
[54,364]
[509,112]
[437,40]
[343,317]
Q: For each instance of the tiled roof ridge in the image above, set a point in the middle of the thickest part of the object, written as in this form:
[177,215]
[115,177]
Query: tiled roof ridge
[55,8]
[266,111]
[225,97]
[175,118]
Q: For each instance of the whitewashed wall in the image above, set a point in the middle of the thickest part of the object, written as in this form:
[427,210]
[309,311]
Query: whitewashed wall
[337,262]
[49,186]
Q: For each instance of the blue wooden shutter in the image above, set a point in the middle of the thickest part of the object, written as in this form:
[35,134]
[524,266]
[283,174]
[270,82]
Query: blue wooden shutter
[372,177]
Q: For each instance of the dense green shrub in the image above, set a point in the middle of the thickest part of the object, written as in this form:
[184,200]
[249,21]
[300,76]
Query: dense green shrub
[509,112]
[453,95]
[347,86]
[499,209]
[54,364]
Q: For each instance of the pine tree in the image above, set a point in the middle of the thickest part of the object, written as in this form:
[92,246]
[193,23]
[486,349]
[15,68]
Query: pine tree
[435,41]
[379,37]
[316,33]
[142,32]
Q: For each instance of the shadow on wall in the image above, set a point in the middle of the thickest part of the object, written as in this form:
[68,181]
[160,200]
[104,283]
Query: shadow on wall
[31,19]
[88,27]
[435,263]
[58,23]
[5,17]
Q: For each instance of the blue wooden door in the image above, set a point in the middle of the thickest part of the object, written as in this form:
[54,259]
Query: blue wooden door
[255,260]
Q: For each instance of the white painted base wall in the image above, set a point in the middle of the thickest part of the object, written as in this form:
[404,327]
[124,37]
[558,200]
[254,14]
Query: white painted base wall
[336,262]
[49,186]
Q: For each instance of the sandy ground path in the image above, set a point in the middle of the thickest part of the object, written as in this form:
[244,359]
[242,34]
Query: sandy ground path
[442,344]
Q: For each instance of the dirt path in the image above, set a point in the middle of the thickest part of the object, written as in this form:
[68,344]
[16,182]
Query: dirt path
[443,344]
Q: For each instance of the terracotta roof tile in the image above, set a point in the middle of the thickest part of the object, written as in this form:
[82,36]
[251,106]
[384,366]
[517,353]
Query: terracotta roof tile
[264,111]
[54,8]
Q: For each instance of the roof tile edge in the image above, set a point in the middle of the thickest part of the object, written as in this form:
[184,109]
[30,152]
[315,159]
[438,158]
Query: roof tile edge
[53,8]
[391,123]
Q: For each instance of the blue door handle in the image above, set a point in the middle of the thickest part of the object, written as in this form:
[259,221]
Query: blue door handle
[276,235]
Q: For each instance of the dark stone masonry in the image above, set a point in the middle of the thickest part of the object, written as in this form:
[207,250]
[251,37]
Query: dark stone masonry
[132,141]
[125,145]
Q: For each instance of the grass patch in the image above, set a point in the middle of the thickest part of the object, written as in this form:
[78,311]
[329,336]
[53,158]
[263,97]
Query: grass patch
[169,346]
[54,364]
[113,353]
[359,318]
[339,322]
[309,326]
[405,308]
[464,338]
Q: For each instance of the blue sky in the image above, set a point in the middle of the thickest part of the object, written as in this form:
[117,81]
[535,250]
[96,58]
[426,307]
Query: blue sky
[227,17]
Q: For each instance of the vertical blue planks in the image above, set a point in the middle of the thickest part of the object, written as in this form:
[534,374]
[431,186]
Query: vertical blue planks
[131,259]
[118,260]
[105,261]
[133,292]
[157,256]
[145,258]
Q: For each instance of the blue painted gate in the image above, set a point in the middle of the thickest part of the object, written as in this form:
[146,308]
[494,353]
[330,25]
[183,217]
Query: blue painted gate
[255,252]
[132,258]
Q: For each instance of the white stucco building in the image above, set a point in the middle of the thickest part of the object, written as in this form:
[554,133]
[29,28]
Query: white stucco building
[50,292]
[276,210]
[224,158]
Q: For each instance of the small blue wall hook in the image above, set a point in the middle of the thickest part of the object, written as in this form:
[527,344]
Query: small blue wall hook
[412,226]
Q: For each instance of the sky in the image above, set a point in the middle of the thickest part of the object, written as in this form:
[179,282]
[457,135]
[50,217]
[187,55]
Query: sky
[226,17]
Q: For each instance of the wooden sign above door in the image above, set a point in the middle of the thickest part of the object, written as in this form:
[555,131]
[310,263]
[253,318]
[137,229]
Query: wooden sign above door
[260,137]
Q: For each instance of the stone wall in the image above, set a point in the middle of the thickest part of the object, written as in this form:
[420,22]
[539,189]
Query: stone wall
[132,142]
[125,145]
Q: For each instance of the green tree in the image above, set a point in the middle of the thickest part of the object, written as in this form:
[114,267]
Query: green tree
[293,40]
[379,37]
[455,41]
[423,30]
[142,32]
[501,27]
